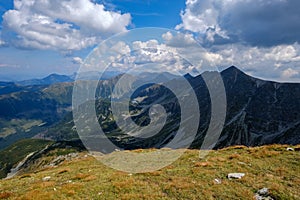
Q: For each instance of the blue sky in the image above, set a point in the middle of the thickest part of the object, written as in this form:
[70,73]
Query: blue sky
[150,13]
[54,36]
[19,63]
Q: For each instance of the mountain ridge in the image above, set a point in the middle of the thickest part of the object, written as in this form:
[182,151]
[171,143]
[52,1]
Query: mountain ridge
[258,112]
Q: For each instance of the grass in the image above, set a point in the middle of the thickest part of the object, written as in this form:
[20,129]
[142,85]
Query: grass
[15,153]
[12,126]
[187,178]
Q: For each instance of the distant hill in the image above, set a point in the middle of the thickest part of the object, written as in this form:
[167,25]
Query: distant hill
[51,79]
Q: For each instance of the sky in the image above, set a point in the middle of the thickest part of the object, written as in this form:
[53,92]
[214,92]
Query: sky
[40,37]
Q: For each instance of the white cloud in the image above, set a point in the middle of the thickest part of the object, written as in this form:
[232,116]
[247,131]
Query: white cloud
[261,37]
[153,51]
[62,24]
[202,16]
[198,16]
[148,44]
[288,73]
[121,48]
[278,63]
[283,53]
[256,22]
[2,43]
[150,55]
[179,40]
[214,58]
[77,60]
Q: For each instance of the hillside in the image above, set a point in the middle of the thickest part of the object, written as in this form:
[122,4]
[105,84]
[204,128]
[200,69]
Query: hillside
[12,155]
[82,177]
[259,112]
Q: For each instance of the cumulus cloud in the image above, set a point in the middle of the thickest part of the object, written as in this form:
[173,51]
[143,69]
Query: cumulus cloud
[77,60]
[121,47]
[152,51]
[256,22]
[61,24]
[199,16]
[261,37]
[279,63]
[150,55]
[283,53]
[179,40]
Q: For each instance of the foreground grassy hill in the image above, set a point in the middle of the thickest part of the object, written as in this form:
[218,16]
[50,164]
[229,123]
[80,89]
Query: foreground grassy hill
[12,155]
[83,177]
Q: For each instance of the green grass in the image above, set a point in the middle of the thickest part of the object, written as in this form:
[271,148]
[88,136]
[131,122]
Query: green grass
[15,125]
[188,178]
[15,153]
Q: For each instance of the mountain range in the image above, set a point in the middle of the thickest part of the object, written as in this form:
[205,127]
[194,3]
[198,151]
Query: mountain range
[259,112]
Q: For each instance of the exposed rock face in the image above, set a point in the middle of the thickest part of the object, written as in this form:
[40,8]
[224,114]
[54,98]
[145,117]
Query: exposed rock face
[31,159]
[15,170]
[62,158]
[258,112]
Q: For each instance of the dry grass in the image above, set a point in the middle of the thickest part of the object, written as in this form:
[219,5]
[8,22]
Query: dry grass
[188,178]
[5,195]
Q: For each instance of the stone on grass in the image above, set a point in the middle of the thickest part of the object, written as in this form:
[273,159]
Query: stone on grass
[290,149]
[217,181]
[47,178]
[235,175]
[263,194]
[264,191]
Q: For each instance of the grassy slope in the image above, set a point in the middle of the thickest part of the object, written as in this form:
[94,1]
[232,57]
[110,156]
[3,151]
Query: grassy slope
[15,153]
[188,178]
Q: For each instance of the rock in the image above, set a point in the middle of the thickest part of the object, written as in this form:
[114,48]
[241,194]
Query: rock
[62,158]
[264,191]
[47,178]
[217,181]
[290,149]
[235,176]
[258,197]
[242,163]
[72,155]
[263,194]
[57,161]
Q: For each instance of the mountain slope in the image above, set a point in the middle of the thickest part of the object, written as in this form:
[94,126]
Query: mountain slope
[82,177]
[18,151]
[258,112]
